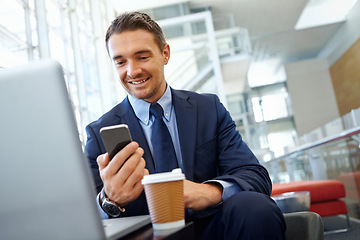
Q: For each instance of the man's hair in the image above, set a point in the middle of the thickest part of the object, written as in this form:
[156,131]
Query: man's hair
[132,21]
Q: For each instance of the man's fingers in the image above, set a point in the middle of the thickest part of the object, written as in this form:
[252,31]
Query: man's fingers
[132,169]
[103,160]
[122,175]
[138,187]
[119,159]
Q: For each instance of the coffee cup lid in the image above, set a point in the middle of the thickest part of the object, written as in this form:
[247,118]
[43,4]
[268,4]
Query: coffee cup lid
[174,175]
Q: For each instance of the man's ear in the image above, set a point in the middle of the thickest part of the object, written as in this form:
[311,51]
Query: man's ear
[166,53]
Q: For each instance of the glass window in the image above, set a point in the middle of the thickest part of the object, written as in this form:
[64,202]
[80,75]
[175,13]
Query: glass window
[280,141]
[271,103]
[257,109]
[274,107]
[69,37]
[236,104]
[17,24]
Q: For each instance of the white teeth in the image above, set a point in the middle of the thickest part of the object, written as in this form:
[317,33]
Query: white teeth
[136,83]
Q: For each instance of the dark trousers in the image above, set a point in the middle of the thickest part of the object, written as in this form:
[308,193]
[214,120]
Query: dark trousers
[245,215]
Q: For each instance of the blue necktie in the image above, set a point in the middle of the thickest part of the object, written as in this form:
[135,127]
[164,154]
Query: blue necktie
[163,148]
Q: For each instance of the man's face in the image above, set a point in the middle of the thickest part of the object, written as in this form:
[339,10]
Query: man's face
[139,63]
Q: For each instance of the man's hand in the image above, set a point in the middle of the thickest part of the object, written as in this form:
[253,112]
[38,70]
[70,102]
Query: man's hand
[199,196]
[122,175]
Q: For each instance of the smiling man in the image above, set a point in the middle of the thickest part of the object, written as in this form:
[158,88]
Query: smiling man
[140,62]
[226,189]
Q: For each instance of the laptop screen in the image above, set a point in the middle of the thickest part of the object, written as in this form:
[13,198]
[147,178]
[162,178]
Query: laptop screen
[45,182]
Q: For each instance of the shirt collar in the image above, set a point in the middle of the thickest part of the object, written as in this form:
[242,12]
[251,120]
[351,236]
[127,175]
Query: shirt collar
[141,107]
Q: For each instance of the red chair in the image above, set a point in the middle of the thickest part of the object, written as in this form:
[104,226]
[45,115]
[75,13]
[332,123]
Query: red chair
[325,196]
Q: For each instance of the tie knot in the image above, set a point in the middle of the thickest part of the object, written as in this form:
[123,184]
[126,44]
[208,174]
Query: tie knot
[156,110]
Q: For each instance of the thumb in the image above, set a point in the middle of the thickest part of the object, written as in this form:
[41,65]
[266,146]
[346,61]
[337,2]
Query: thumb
[103,160]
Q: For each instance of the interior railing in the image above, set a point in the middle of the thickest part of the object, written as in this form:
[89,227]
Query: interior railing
[335,156]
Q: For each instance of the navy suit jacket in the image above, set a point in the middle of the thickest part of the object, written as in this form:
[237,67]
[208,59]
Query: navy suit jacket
[211,146]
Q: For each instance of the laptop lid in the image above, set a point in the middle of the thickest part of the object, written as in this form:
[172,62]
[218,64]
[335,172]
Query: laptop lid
[45,181]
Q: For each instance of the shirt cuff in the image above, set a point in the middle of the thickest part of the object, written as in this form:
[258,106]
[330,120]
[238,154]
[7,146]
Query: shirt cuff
[101,211]
[229,188]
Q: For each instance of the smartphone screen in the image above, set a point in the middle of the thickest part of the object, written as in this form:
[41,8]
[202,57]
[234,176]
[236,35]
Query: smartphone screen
[115,138]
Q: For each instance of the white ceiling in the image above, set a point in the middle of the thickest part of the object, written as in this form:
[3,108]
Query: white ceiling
[271,24]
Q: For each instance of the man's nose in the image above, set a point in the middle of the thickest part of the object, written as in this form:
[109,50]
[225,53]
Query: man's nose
[133,69]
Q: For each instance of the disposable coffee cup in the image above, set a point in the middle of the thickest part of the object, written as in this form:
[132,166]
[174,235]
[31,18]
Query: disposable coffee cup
[165,198]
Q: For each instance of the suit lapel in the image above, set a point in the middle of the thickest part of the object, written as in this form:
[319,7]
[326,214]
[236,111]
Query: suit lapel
[126,115]
[186,118]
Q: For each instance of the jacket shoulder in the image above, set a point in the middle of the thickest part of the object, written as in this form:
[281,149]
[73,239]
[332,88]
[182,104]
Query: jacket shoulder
[190,95]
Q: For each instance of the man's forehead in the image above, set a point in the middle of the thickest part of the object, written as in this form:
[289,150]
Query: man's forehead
[132,42]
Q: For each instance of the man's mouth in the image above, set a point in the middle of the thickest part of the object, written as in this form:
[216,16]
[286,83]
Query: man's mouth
[139,82]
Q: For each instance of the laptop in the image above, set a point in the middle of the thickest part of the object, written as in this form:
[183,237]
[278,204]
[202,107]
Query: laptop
[47,191]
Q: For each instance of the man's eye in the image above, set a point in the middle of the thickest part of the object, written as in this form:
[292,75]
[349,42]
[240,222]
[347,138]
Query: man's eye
[143,58]
[119,63]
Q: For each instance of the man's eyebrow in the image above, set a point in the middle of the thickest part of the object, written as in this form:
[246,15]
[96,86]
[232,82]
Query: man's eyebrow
[136,53]
[117,57]
[142,51]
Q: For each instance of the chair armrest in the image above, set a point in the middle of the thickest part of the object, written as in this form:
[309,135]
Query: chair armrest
[304,226]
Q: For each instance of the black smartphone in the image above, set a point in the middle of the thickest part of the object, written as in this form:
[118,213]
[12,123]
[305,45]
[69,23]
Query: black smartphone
[115,138]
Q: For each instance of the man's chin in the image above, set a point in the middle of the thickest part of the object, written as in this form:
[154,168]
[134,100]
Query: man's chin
[142,96]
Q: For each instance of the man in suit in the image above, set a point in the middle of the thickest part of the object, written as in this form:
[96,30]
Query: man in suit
[226,190]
